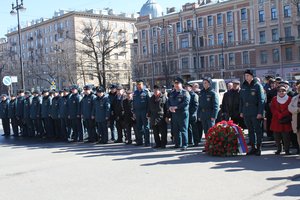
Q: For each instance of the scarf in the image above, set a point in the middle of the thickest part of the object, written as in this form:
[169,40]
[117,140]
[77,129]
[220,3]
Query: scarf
[282,100]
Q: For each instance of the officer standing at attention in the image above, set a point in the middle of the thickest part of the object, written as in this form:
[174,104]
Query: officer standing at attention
[54,114]
[63,114]
[73,106]
[45,114]
[35,113]
[194,136]
[101,114]
[28,125]
[208,106]
[128,116]
[140,109]
[112,125]
[4,106]
[12,114]
[20,110]
[179,100]
[86,114]
[251,109]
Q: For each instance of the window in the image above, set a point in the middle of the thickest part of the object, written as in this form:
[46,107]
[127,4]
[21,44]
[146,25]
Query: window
[221,59]
[171,46]
[229,16]
[202,61]
[163,47]
[288,53]
[219,19]
[261,16]
[144,50]
[275,34]
[298,27]
[220,38]
[230,38]
[209,20]
[287,31]
[231,59]
[273,13]
[185,63]
[211,60]
[245,57]
[262,36]
[155,49]
[200,22]
[201,41]
[154,31]
[184,43]
[189,25]
[244,34]
[287,11]
[263,57]
[143,34]
[178,27]
[243,14]
[210,40]
[275,53]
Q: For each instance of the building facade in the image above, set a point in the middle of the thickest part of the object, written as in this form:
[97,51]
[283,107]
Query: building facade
[56,52]
[216,39]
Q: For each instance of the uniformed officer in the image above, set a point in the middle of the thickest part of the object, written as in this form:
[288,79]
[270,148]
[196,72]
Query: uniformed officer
[54,111]
[28,125]
[101,114]
[197,90]
[45,114]
[140,109]
[112,123]
[12,114]
[117,107]
[4,106]
[178,103]
[193,134]
[208,105]
[20,110]
[128,116]
[63,114]
[86,114]
[251,109]
[35,114]
[157,111]
[73,106]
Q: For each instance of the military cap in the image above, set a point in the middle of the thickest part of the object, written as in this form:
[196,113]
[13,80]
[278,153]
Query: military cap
[271,80]
[12,95]
[155,87]
[178,80]
[61,91]
[208,80]
[140,81]
[45,90]
[278,79]
[3,95]
[35,92]
[27,93]
[100,89]
[284,83]
[249,71]
[74,87]
[21,91]
[66,90]
[236,82]
[112,86]
[119,87]
[188,84]
[164,87]
[87,87]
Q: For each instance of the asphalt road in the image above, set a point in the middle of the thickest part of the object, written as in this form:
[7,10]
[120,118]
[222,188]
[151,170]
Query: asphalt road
[39,170]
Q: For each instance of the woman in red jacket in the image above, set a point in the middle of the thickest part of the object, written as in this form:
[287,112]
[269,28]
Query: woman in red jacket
[281,123]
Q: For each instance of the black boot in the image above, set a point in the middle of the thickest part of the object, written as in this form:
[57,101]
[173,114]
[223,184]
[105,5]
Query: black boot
[258,150]
[252,151]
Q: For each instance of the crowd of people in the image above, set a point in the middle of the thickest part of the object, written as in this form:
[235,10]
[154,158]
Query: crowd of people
[74,116]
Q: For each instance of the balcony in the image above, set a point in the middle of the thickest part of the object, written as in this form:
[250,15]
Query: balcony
[289,40]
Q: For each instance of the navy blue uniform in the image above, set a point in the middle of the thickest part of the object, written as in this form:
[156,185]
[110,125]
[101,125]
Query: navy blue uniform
[20,113]
[12,116]
[4,106]
[180,118]
[128,119]
[208,108]
[117,106]
[86,115]
[35,115]
[194,135]
[54,112]
[101,114]
[140,109]
[73,106]
[112,124]
[28,125]
[45,115]
[65,124]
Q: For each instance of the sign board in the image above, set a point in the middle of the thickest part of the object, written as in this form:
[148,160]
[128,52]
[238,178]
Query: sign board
[52,87]
[7,80]
[14,79]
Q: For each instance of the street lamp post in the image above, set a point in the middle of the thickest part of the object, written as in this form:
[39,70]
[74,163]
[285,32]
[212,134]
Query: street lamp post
[15,10]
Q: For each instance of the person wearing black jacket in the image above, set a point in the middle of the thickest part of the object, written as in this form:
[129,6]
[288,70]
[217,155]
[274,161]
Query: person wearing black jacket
[28,125]
[157,109]
[54,112]
[65,124]
[112,96]
[35,113]
[20,110]
[12,115]
[4,105]
[45,114]
[128,116]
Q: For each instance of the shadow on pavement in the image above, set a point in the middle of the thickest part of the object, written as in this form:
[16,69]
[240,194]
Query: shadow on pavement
[293,190]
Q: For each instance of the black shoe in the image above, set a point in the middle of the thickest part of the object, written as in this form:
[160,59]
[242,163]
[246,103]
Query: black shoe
[204,150]
[118,141]
[139,144]
[156,146]
[251,152]
[163,146]
[287,153]
[258,152]
[183,149]
[147,145]
[277,152]
[129,142]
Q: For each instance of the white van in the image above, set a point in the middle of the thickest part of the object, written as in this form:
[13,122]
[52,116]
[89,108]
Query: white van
[218,85]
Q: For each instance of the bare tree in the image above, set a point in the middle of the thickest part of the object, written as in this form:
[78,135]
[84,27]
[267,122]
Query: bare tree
[98,41]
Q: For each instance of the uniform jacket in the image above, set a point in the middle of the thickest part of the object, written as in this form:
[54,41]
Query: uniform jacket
[35,108]
[87,106]
[157,109]
[117,106]
[73,106]
[101,108]
[140,101]
[46,106]
[180,99]
[252,99]
[63,108]
[128,112]
[54,112]
[12,108]
[294,109]
[232,103]
[20,107]
[208,104]
[193,107]
[27,105]
[111,98]
[4,106]
[279,111]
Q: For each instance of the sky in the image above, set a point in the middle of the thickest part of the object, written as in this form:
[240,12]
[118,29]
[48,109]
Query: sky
[36,9]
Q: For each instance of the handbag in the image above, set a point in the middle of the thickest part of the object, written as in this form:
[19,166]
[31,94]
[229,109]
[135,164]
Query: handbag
[285,120]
